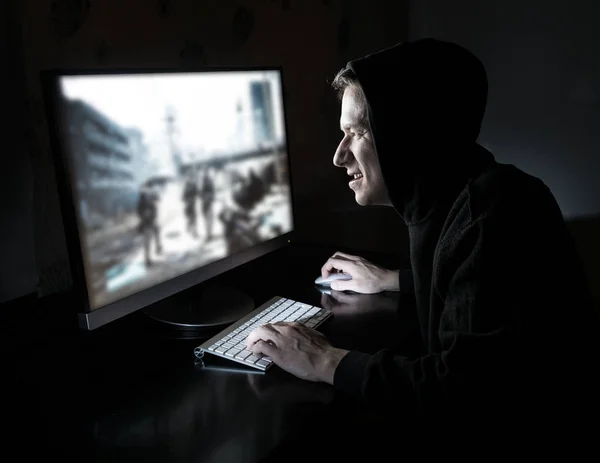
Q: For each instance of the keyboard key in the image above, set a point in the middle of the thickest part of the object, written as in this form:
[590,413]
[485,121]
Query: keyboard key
[232,352]
[221,350]
[240,346]
[252,358]
[243,354]
[263,363]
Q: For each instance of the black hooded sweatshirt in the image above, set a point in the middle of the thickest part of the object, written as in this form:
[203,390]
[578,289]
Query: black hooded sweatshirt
[504,310]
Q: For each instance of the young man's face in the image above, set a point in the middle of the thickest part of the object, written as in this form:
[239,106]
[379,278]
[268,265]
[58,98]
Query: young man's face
[356,153]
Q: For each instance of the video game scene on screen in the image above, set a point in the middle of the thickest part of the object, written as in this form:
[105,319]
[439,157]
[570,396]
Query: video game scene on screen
[173,172]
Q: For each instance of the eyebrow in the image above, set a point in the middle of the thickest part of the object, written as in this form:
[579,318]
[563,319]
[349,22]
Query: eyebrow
[349,126]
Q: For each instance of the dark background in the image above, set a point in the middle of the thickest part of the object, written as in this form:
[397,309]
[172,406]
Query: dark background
[543,111]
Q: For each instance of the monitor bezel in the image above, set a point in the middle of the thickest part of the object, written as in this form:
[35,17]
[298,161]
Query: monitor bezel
[90,319]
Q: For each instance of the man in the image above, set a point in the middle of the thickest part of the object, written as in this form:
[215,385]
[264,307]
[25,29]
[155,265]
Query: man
[208,198]
[147,209]
[190,197]
[240,228]
[504,311]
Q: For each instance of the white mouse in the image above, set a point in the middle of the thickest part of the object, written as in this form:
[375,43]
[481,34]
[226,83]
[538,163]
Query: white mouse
[333,277]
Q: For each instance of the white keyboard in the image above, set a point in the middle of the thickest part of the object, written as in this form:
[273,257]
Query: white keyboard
[231,342]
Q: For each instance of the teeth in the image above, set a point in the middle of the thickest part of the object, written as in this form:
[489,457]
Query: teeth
[357,176]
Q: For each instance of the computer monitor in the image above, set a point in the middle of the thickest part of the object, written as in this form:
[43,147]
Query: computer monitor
[167,179]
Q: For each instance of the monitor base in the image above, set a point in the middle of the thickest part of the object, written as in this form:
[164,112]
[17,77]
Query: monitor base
[205,309]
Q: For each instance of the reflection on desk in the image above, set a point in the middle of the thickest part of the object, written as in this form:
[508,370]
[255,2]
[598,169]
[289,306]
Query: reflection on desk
[371,322]
[211,415]
[282,387]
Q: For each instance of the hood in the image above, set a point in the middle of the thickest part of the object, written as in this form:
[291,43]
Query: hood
[426,100]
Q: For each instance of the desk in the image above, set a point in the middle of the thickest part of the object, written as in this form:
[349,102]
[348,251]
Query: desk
[125,393]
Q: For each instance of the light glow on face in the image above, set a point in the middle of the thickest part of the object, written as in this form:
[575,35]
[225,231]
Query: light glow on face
[357,154]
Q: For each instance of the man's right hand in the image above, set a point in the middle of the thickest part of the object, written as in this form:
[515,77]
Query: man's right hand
[367,278]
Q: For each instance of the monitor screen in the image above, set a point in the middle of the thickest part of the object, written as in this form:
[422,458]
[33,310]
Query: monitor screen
[170,172]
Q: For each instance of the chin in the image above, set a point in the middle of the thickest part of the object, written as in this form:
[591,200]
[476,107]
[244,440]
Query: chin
[362,200]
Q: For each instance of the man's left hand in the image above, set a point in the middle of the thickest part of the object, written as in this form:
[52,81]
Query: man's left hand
[299,350]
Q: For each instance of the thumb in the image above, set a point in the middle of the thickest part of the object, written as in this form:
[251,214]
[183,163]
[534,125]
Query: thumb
[343,285]
[265,348]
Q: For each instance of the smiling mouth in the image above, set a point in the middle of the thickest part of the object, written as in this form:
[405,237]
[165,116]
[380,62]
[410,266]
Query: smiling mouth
[356,178]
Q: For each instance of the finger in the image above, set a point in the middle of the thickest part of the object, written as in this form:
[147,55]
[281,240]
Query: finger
[339,257]
[265,332]
[261,347]
[326,269]
[333,263]
[252,338]
[346,256]
[344,285]
[279,325]
[284,327]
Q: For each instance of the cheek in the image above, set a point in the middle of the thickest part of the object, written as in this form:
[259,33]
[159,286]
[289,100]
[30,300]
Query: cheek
[362,159]
[368,165]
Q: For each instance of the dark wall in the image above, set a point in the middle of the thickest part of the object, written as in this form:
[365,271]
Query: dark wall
[311,39]
[544,102]
[544,78]
[18,272]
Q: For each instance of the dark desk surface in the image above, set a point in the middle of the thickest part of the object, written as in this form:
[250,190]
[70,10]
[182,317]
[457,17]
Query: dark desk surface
[131,392]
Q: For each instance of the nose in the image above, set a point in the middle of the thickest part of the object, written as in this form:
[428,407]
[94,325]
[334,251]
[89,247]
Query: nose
[342,154]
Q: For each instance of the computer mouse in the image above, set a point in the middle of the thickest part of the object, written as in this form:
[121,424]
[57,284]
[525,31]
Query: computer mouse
[333,277]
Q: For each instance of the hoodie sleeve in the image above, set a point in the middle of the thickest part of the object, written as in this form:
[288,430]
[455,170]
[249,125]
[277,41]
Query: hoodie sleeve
[480,291]
[407,283]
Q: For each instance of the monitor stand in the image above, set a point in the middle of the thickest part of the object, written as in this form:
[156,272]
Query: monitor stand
[201,311]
